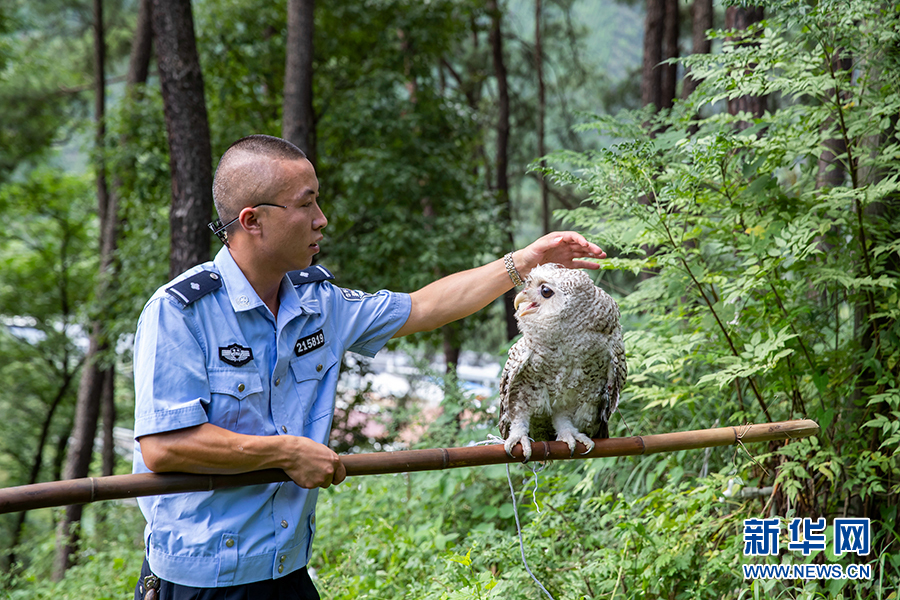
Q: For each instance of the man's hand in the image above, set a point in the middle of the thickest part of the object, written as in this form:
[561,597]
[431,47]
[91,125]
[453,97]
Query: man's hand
[209,449]
[312,465]
[461,294]
[558,247]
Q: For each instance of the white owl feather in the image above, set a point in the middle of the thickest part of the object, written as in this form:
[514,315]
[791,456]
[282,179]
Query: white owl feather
[565,374]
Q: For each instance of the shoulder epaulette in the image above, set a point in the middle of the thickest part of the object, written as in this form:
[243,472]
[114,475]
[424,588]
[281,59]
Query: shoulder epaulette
[194,287]
[310,275]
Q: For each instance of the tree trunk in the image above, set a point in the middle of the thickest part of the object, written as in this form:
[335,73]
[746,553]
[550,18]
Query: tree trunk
[78,458]
[108,412]
[831,171]
[669,72]
[59,457]
[298,121]
[496,40]
[98,375]
[542,108]
[138,70]
[80,452]
[141,46]
[701,22]
[658,81]
[36,464]
[452,346]
[187,127]
[651,74]
[740,19]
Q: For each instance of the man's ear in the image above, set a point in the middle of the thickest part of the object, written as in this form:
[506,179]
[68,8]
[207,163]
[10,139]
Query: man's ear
[249,222]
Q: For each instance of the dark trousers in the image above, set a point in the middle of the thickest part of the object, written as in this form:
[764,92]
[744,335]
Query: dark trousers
[296,586]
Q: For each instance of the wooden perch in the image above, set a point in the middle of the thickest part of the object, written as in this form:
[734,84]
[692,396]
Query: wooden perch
[93,489]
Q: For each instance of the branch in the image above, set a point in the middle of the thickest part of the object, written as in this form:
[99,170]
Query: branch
[94,489]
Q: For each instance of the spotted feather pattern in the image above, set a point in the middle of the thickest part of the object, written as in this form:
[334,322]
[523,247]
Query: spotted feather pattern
[565,375]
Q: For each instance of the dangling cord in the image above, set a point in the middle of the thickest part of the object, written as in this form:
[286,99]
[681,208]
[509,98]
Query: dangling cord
[535,472]
[512,493]
[493,439]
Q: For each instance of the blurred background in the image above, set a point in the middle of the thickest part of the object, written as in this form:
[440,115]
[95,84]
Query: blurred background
[737,162]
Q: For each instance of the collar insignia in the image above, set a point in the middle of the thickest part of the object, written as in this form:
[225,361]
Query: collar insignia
[235,355]
[194,287]
[310,275]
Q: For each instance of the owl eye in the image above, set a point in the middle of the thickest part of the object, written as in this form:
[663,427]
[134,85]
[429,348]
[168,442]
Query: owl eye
[546,292]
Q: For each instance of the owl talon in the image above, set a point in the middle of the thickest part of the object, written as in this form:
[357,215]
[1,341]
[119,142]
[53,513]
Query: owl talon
[511,442]
[572,437]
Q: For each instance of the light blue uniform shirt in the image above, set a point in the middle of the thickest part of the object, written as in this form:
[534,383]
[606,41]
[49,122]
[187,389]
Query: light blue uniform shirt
[223,359]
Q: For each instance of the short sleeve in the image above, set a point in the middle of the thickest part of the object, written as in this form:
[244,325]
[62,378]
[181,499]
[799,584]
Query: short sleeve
[170,380]
[367,321]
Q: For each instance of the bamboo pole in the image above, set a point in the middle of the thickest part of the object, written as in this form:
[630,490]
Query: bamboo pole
[94,489]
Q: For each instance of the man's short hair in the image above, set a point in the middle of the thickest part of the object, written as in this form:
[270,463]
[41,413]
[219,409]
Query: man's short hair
[238,176]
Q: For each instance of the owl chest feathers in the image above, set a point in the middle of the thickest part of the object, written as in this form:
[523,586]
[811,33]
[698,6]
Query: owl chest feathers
[560,378]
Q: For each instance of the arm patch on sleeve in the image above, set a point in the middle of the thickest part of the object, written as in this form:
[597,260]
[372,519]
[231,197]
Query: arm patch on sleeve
[354,295]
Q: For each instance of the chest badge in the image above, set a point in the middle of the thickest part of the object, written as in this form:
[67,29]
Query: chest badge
[235,355]
[309,343]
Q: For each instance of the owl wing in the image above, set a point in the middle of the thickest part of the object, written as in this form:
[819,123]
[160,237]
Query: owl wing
[519,354]
[617,371]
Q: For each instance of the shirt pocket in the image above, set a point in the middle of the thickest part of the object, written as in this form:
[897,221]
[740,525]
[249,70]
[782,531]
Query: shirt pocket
[309,370]
[236,400]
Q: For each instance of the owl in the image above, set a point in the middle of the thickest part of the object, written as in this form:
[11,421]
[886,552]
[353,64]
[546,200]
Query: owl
[566,372]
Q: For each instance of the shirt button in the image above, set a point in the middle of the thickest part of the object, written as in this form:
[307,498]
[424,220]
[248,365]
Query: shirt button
[243,300]
[283,558]
[213,276]
[284,524]
[319,367]
[229,542]
[284,429]
[280,568]
[277,381]
[240,387]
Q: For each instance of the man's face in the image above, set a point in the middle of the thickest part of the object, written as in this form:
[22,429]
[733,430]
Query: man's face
[291,235]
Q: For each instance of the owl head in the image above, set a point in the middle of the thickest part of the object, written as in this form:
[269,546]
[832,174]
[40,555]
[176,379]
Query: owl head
[559,298]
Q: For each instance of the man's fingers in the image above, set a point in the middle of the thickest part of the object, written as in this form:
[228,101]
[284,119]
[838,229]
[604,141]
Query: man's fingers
[340,473]
[335,472]
[312,464]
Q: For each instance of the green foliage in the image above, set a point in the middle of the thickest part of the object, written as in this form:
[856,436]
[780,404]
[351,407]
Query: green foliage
[757,276]
[46,72]
[769,288]
[243,67]
[48,260]
[402,180]
[138,160]
[38,69]
[404,183]
[398,150]
[419,536]
[108,561]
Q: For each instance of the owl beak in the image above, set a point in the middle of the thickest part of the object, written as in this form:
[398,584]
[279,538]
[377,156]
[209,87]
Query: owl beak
[520,298]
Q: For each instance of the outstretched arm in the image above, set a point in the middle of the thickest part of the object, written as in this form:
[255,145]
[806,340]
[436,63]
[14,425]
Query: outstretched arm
[461,294]
[207,448]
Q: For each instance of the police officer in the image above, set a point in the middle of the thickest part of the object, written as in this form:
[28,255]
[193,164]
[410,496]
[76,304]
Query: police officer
[236,364]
